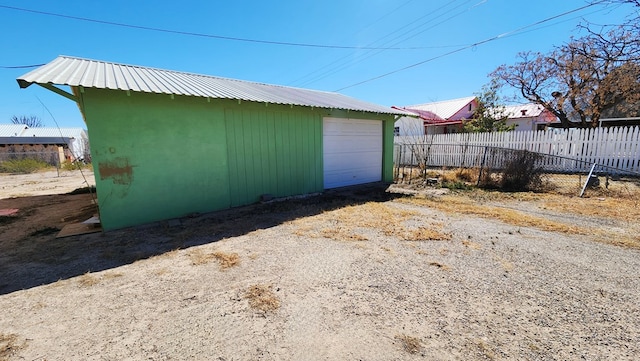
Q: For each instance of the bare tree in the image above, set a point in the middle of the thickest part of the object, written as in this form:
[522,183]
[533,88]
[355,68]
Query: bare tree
[31,121]
[580,80]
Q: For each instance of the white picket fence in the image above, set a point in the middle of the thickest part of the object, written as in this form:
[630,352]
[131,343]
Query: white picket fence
[575,149]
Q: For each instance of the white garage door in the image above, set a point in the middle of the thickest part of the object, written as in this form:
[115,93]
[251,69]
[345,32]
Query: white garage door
[352,150]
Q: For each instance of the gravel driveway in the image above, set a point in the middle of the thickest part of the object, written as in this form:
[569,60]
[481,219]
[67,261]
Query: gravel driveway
[345,278]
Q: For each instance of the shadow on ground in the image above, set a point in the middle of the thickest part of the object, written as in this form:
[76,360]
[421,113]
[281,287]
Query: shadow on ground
[39,258]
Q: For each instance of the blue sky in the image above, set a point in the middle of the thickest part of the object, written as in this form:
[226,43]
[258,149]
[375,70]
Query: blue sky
[425,29]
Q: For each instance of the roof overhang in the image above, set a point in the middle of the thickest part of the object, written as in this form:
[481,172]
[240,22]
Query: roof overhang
[36,140]
[86,73]
[449,122]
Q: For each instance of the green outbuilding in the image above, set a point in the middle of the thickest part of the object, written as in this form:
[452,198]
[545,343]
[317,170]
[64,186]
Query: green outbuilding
[165,144]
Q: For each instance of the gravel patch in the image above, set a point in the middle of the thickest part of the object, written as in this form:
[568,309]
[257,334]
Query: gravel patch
[494,291]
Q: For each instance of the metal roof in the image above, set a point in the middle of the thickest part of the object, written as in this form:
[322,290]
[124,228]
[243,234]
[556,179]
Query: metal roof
[12,130]
[75,72]
[55,132]
[35,140]
[523,111]
[443,109]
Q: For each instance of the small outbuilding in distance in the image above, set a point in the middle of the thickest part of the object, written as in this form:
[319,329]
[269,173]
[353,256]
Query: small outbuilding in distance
[165,144]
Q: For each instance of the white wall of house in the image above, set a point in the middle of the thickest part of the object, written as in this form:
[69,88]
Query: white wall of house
[409,126]
[527,123]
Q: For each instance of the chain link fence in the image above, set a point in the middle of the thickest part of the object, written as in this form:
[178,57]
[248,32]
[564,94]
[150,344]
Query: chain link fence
[464,166]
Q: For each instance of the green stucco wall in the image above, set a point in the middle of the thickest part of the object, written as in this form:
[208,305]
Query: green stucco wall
[159,157]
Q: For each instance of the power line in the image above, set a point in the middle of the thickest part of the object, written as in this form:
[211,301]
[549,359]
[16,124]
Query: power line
[497,37]
[21,66]
[336,66]
[203,35]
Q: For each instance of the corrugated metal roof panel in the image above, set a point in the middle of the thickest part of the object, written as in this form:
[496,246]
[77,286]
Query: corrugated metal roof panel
[35,140]
[12,130]
[444,109]
[72,71]
[524,110]
[55,132]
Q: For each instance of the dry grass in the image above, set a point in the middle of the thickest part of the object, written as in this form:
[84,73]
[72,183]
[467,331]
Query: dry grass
[111,275]
[342,233]
[410,344]
[478,203]
[199,257]
[226,260]
[486,350]
[348,224]
[468,175]
[609,204]
[465,205]
[426,234]
[9,345]
[471,244]
[369,215]
[625,209]
[262,298]
[506,265]
[88,280]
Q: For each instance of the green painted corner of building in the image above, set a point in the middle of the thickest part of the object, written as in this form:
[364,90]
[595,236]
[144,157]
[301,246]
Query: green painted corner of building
[159,156]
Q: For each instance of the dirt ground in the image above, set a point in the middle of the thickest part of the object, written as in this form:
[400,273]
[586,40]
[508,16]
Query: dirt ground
[358,274]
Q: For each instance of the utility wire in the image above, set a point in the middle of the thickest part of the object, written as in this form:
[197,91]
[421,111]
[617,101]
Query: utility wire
[336,66]
[497,37]
[203,35]
[21,66]
[84,177]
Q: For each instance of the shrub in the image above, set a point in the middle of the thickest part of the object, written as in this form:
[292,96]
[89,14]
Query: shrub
[457,185]
[22,166]
[512,170]
[521,172]
[69,166]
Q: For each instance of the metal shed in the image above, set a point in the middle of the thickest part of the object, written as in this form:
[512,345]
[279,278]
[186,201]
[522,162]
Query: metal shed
[165,144]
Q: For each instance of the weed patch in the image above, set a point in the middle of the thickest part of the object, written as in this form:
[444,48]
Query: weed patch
[262,298]
[70,166]
[199,257]
[347,224]
[88,280]
[461,205]
[227,260]
[23,166]
[426,234]
[9,346]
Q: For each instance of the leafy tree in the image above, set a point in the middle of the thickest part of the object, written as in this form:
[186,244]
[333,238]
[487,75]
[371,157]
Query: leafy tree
[490,114]
[582,79]
[31,121]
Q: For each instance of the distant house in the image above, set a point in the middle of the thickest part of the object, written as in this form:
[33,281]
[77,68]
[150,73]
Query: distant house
[447,117]
[529,117]
[165,144]
[436,118]
[52,145]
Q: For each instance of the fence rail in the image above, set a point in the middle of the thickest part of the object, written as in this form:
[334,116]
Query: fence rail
[571,150]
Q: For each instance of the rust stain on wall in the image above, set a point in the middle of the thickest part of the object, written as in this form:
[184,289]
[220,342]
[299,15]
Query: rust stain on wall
[118,169]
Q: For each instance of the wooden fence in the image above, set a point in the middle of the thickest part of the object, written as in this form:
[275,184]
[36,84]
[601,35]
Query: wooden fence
[571,149]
